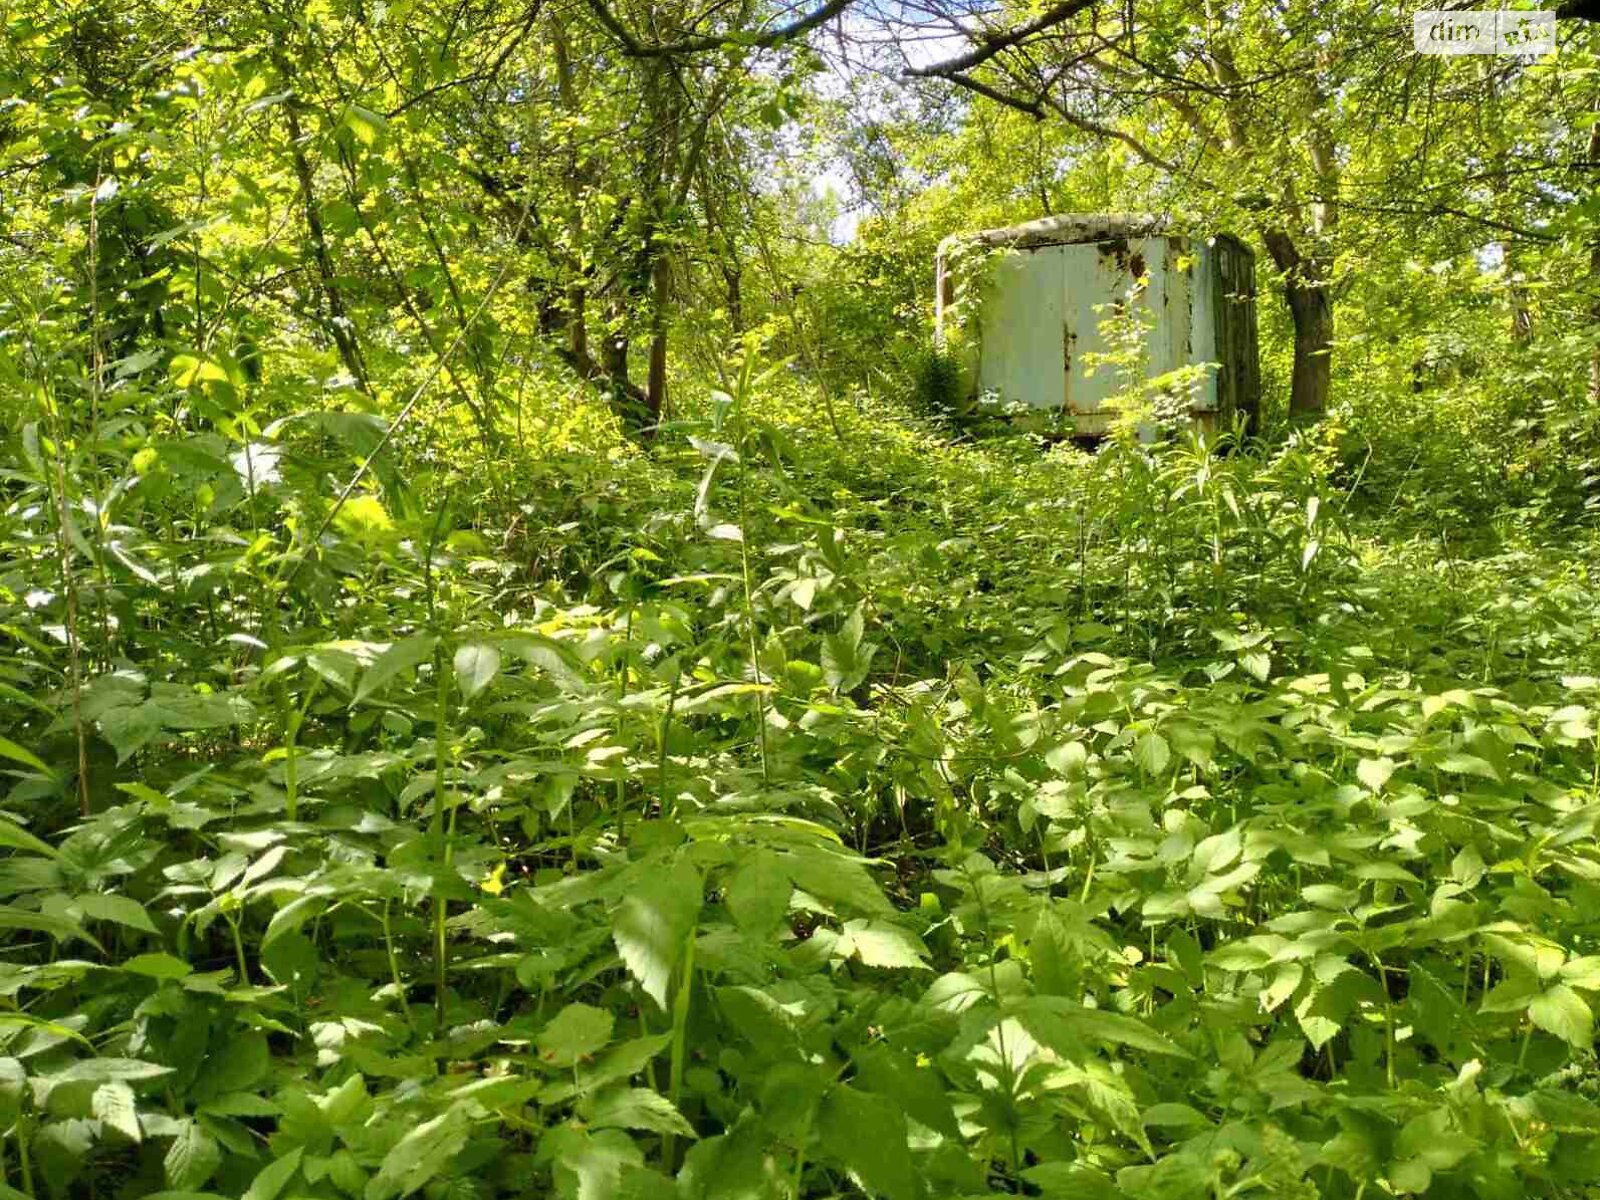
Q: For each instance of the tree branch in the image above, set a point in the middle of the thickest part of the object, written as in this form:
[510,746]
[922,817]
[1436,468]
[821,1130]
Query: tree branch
[1040,109]
[1445,210]
[765,40]
[1033,108]
[477,76]
[1147,155]
[991,44]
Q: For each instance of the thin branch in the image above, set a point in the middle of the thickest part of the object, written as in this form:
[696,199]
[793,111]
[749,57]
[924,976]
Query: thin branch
[1149,156]
[1442,210]
[1033,108]
[1040,109]
[483,76]
[766,40]
[991,44]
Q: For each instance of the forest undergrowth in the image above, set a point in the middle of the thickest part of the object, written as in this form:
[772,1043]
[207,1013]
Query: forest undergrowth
[789,808]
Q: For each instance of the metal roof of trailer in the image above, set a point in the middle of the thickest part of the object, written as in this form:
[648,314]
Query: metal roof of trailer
[1066,229]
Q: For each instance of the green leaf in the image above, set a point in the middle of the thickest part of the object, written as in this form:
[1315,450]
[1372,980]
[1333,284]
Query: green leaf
[1240,956]
[157,966]
[1318,1027]
[836,877]
[1069,759]
[653,922]
[240,1104]
[273,1177]
[916,1089]
[60,928]
[366,125]
[183,708]
[476,664]
[758,893]
[867,1134]
[881,944]
[18,838]
[1258,663]
[9,749]
[291,916]
[237,1065]
[845,658]
[1050,1017]
[621,1062]
[737,1165]
[1561,1011]
[1374,772]
[61,1151]
[1152,753]
[120,910]
[403,656]
[13,1083]
[577,1032]
[105,1070]
[1467,764]
[590,1166]
[1432,1140]
[334,665]
[189,370]
[192,1159]
[114,1105]
[1283,985]
[53,1031]
[1108,1095]
[637,1108]
[419,1157]
[1411,1175]
[1582,973]
[129,728]
[1172,1115]
[547,654]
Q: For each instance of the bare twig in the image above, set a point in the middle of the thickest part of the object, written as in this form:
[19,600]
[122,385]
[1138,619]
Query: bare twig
[764,40]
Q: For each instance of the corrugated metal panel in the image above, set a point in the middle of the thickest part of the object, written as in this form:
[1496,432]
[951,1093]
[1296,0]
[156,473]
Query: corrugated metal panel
[1037,317]
[1020,333]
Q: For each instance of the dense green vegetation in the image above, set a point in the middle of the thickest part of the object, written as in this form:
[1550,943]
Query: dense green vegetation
[520,675]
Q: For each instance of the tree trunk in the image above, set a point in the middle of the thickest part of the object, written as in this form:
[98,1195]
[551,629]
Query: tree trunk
[1311,308]
[1521,306]
[655,390]
[1305,287]
[335,319]
[631,401]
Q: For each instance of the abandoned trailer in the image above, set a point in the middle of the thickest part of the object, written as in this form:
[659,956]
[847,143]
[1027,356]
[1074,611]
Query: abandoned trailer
[1022,309]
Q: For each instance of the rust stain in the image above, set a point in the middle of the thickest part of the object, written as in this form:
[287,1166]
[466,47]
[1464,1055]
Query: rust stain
[1115,249]
[1068,339]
